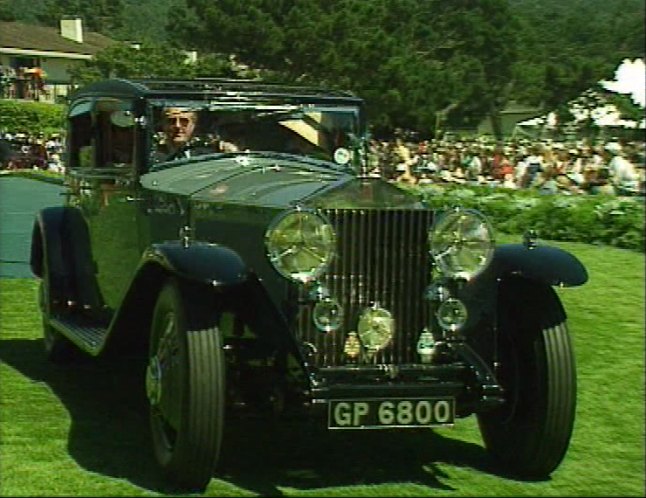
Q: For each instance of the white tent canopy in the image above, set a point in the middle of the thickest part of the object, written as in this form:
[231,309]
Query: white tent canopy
[630,79]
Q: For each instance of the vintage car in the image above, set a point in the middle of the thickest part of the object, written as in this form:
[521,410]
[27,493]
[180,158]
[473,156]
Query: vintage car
[229,233]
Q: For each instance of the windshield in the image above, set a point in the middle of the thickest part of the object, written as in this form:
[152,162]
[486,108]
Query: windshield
[189,129]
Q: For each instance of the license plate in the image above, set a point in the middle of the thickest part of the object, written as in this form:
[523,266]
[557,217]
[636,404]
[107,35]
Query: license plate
[382,413]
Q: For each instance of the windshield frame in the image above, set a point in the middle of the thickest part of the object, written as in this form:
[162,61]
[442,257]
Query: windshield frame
[343,119]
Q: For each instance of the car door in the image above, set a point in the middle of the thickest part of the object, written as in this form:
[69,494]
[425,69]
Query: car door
[103,167]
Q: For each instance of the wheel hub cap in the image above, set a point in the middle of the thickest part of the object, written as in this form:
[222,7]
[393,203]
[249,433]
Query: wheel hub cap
[154,381]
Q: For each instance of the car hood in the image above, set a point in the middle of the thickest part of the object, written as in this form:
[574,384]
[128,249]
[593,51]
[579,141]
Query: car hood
[272,181]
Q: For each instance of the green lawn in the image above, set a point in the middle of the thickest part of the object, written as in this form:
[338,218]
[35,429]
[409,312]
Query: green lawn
[81,430]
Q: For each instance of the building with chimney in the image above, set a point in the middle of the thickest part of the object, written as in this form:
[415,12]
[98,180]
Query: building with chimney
[26,49]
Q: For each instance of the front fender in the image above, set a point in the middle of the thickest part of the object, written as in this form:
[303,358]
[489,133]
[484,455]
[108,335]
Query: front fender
[49,253]
[211,264]
[546,264]
[61,241]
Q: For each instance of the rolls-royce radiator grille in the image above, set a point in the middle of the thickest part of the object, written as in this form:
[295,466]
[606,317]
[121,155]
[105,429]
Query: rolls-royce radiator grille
[382,258]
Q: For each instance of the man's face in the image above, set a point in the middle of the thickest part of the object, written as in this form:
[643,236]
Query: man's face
[179,125]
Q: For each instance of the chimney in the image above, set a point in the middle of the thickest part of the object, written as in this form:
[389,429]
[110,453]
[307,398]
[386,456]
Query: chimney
[72,29]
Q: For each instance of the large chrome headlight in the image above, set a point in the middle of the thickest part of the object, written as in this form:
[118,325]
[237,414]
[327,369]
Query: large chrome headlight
[461,243]
[300,245]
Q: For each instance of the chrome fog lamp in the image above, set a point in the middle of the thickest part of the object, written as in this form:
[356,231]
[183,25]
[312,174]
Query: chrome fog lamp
[461,243]
[451,315]
[315,292]
[376,328]
[426,346]
[437,292]
[300,245]
[327,315]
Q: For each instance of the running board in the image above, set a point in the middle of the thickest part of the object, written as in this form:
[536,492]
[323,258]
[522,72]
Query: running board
[86,334]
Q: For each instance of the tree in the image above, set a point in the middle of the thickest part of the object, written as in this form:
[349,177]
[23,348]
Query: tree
[121,60]
[403,56]
[102,16]
[412,60]
[153,13]
[6,12]
[567,47]
[18,10]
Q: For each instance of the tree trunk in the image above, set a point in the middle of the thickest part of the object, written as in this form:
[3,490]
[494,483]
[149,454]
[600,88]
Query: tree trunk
[496,123]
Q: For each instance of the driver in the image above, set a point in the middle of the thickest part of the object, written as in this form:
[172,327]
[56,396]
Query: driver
[178,127]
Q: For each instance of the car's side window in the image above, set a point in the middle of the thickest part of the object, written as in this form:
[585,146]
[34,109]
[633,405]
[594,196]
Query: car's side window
[116,134]
[81,142]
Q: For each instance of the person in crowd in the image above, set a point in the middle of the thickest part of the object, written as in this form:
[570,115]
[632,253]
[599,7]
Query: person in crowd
[534,165]
[374,158]
[4,81]
[509,181]
[55,164]
[37,153]
[472,163]
[520,169]
[405,162]
[6,153]
[622,172]
[599,182]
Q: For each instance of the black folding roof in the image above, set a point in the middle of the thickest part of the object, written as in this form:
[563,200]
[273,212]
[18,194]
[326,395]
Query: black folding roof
[212,88]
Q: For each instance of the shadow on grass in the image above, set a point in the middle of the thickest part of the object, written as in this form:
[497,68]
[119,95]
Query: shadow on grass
[109,435]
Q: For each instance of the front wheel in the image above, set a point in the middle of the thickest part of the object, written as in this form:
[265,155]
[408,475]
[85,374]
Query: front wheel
[185,387]
[530,433]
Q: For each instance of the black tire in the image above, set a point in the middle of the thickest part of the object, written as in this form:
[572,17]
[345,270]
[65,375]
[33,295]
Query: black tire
[185,386]
[58,349]
[530,433]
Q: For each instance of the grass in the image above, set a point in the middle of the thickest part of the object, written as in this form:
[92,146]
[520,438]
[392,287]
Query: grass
[81,430]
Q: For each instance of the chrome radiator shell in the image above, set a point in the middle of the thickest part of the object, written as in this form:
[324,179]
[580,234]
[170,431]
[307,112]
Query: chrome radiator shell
[382,259]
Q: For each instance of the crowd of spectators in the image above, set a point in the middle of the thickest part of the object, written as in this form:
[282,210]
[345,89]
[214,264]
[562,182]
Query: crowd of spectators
[614,166]
[610,167]
[25,151]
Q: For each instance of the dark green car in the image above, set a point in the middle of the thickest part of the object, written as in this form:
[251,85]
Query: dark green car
[230,234]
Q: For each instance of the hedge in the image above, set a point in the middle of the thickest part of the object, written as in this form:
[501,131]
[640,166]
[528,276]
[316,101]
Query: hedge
[19,116]
[594,219]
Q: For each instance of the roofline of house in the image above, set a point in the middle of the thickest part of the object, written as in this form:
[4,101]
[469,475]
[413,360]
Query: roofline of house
[43,53]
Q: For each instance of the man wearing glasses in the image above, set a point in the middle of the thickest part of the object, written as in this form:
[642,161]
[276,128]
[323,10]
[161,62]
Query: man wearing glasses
[178,127]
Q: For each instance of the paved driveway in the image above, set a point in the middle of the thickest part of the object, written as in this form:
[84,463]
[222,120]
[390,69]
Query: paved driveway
[20,200]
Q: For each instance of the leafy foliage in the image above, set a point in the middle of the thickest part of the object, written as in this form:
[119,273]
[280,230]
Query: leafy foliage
[18,10]
[407,67]
[566,47]
[148,61]
[31,117]
[595,219]
[103,16]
